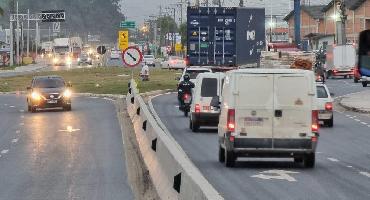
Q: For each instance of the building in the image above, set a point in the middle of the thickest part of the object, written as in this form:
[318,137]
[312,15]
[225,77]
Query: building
[318,23]
[279,34]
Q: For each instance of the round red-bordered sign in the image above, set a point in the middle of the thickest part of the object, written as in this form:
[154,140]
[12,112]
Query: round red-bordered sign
[132,57]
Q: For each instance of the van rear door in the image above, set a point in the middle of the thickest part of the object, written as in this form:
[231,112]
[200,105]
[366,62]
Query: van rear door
[292,109]
[254,108]
[209,89]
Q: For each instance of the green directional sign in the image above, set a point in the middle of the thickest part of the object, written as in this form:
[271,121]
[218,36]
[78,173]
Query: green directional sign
[128,24]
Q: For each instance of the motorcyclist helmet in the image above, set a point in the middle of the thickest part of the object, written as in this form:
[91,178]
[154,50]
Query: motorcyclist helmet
[186,77]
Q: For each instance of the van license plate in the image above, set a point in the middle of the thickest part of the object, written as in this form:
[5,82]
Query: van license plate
[253,121]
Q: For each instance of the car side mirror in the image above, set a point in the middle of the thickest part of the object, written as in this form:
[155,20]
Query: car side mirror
[215,102]
[29,88]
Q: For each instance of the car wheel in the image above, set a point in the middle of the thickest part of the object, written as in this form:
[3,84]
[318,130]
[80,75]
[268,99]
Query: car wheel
[221,154]
[309,160]
[230,158]
[364,84]
[186,113]
[329,122]
[67,107]
[194,127]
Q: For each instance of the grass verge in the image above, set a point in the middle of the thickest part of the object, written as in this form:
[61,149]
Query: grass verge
[102,80]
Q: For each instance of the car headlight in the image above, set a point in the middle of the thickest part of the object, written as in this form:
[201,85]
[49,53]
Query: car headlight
[55,60]
[49,55]
[36,96]
[67,94]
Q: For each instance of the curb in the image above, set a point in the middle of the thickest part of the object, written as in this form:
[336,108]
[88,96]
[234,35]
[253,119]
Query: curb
[353,109]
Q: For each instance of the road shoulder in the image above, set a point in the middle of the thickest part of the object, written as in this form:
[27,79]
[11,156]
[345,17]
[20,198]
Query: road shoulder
[358,102]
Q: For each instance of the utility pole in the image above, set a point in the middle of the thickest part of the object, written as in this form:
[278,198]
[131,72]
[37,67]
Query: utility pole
[37,37]
[28,32]
[11,44]
[341,23]
[17,36]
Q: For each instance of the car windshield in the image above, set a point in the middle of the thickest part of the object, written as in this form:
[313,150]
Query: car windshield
[209,87]
[321,92]
[61,49]
[49,83]
[194,73]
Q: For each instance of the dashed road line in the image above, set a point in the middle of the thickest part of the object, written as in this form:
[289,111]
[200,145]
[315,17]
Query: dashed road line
[21,110]
[333,159]
[17,131]
[365,174]
[364,123]
[22,116]
[11,106]
[15,140]
[5,151]
[349,166]
[21,124]
[357,120]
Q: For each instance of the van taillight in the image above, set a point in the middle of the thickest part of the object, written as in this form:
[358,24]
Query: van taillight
[197,108]
[329,106]
[231,120]
[315,121]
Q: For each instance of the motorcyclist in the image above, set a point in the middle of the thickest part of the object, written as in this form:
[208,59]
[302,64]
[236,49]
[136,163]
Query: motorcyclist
[184,87]
[144,73]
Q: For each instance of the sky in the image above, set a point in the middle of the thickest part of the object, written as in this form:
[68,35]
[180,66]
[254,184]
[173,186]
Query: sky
[139,10]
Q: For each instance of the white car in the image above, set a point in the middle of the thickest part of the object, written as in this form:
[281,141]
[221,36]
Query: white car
[268,113]
[193,72]
[208,89]
[149,60]
[174,62]
[115,54]
[325,105]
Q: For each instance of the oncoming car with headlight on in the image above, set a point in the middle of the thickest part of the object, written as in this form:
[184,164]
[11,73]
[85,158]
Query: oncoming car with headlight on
[49,92]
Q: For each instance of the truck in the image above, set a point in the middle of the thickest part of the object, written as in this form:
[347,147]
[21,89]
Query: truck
[47,48]
[76,45]
[225,36]
[61,52]
[362,71]
[340,61]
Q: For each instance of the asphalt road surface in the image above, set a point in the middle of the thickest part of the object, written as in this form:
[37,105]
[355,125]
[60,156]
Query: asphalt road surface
[61,155]
[342,167]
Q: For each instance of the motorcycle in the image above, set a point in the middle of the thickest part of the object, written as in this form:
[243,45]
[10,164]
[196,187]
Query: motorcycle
[185,102]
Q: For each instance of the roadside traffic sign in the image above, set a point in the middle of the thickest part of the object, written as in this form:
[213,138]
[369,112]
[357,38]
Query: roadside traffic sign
[123,40]
[178,47]
[53,16]
[128,24]
[132,56]
[101,50]
[56,27]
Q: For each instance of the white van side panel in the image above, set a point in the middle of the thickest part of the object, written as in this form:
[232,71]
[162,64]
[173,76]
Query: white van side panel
[294,98]
[344,57]
[254,105]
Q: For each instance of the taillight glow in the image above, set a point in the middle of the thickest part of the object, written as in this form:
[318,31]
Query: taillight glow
[314,139]
[315,121]
[329,106]
[197,108]
[231,120]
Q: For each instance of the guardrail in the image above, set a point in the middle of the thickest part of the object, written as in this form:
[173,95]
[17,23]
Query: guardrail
[172,172]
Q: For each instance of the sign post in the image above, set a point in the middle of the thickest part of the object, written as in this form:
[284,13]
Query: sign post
[132,57]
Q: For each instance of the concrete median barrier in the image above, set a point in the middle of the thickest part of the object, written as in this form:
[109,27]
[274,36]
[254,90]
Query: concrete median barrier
[173,174]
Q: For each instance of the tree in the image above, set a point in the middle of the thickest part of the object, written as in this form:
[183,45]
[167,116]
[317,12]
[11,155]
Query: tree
[184,33]
[1,12]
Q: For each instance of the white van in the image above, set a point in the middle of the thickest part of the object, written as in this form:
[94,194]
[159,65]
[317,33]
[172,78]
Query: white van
[268,113]
[207,88]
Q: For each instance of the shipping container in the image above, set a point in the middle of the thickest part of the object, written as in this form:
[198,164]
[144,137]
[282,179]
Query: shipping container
[225,36]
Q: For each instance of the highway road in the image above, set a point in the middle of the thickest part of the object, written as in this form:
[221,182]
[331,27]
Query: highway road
[342,167]
[61,155]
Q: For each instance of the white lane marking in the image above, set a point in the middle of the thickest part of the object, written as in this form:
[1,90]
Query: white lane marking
[333,159]
[348,115]
[177,106]
[365,174]
[276,174]
[22,116]
[318,152]
[4,151]
[94,97]
[21,124]
[351,117]
[11,106]
[69,129]
[357,120]
[364,123]
[354,116]
[21,110]
[368,126]
[15,140]
[349,166]
[17,131]
[109,99]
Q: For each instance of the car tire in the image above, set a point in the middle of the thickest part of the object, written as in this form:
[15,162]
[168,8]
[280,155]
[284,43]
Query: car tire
[194,126]
[186,113]
[230,158]
[221,154]
[364,84]
[67,108]
[309,160]
[329,122]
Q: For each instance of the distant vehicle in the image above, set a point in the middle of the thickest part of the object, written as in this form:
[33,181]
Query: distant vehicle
[76,46]
[115,54]
[268,113]
[174,62]
[47,47]
[208,89]
[61,52]
[363,68]
[325,105]
[49,92]
[193,72]
[84,58]
[340,61]
[149,60]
